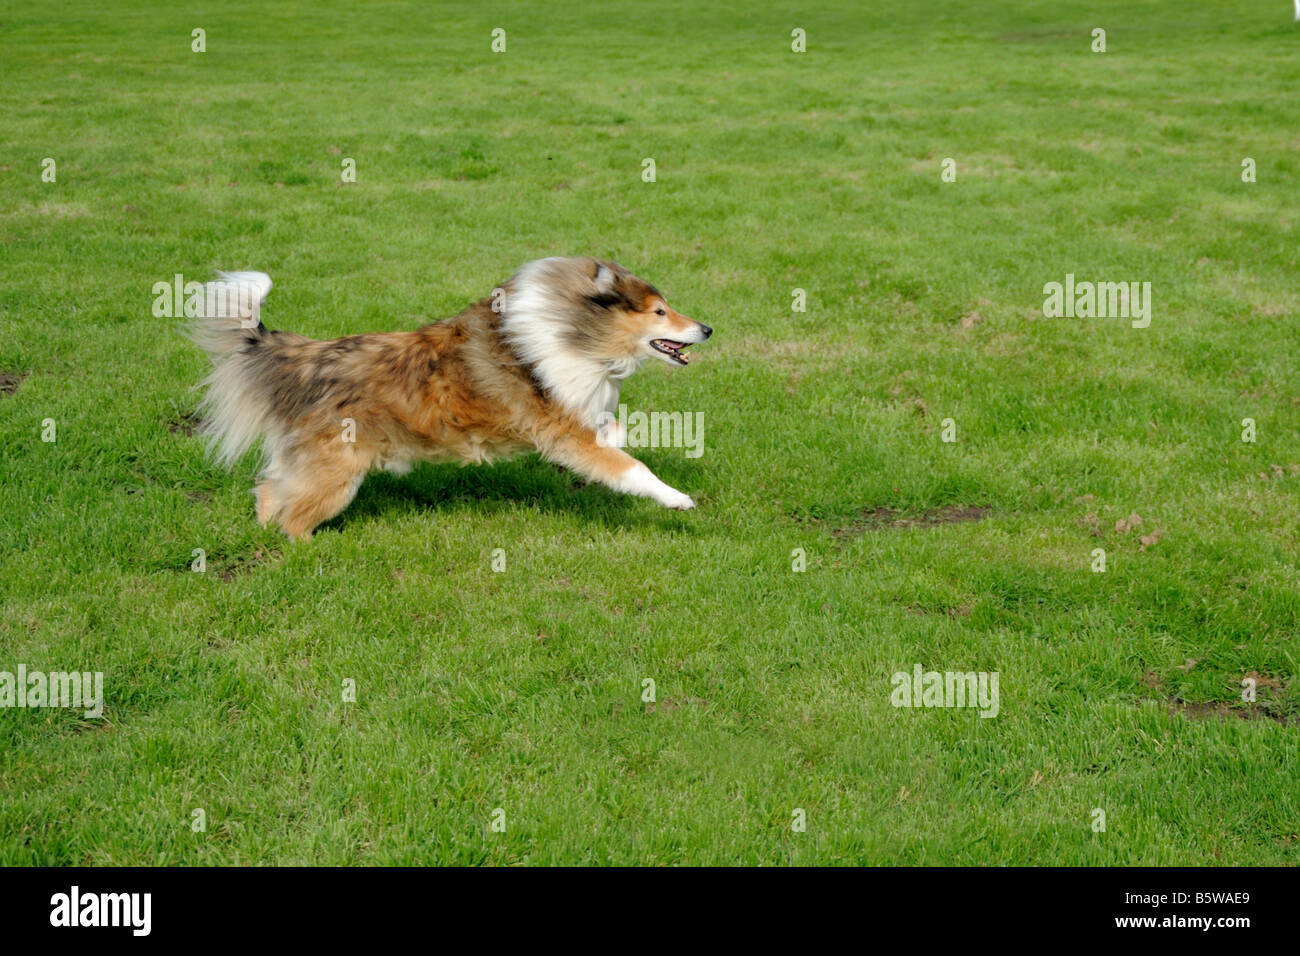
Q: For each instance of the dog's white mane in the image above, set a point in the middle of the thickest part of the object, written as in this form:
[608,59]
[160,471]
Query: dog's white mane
[535,320]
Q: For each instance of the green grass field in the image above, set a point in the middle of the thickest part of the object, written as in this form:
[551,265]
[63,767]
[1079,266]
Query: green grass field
[522,691]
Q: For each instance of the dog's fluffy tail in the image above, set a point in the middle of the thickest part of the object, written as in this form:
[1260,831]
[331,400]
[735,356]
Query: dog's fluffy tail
[230,312]
[235,408]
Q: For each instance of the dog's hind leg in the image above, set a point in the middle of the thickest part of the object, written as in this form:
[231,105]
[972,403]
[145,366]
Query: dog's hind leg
[270,484]
[315,501]
[314,491]
[267,504]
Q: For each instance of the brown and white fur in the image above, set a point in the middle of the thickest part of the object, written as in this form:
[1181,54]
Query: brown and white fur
[533,367]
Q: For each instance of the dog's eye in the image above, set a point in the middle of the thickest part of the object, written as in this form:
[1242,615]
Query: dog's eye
[660,312]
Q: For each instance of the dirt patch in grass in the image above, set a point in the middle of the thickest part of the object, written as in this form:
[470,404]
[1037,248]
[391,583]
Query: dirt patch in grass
[1263,680]
[1263,708]
[874,518]
[9,382]
[186,424]
[243,564]
[1269,703]
[1206,710]
[1090,523]
[960,610]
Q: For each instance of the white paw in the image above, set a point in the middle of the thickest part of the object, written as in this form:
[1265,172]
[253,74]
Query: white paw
[640,480]
[678,501]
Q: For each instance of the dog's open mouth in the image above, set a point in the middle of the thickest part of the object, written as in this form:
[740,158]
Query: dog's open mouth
[672,349]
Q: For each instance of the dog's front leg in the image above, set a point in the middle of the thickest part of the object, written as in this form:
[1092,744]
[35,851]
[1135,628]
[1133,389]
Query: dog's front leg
[580,450]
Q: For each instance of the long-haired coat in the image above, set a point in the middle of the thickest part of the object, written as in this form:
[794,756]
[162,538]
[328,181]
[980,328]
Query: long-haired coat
[536,366]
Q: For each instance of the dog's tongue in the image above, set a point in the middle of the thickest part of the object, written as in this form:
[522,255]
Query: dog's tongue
[673,345]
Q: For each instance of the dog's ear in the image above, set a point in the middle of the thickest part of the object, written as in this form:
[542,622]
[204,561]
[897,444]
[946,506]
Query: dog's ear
[606,279]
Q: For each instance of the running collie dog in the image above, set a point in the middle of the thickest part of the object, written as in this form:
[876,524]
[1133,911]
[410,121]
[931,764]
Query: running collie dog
[534,367]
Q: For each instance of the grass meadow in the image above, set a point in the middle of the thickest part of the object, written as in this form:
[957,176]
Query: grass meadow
[500,716]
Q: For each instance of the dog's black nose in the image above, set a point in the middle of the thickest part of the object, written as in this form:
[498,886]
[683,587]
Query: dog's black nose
[706,330]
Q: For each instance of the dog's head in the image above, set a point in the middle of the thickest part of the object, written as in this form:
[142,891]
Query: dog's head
[630,317]
[599,311]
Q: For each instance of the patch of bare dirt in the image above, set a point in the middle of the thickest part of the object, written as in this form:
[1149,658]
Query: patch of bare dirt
[1135,520]
[883,517]
[9,382]
[1150,540]
[956,611]
[1206,710]
[1090,523]
[185,424]
[242,565]
[1263,680]
[1262,708]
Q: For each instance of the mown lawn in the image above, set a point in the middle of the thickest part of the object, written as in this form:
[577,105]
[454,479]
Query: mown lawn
[522,690]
